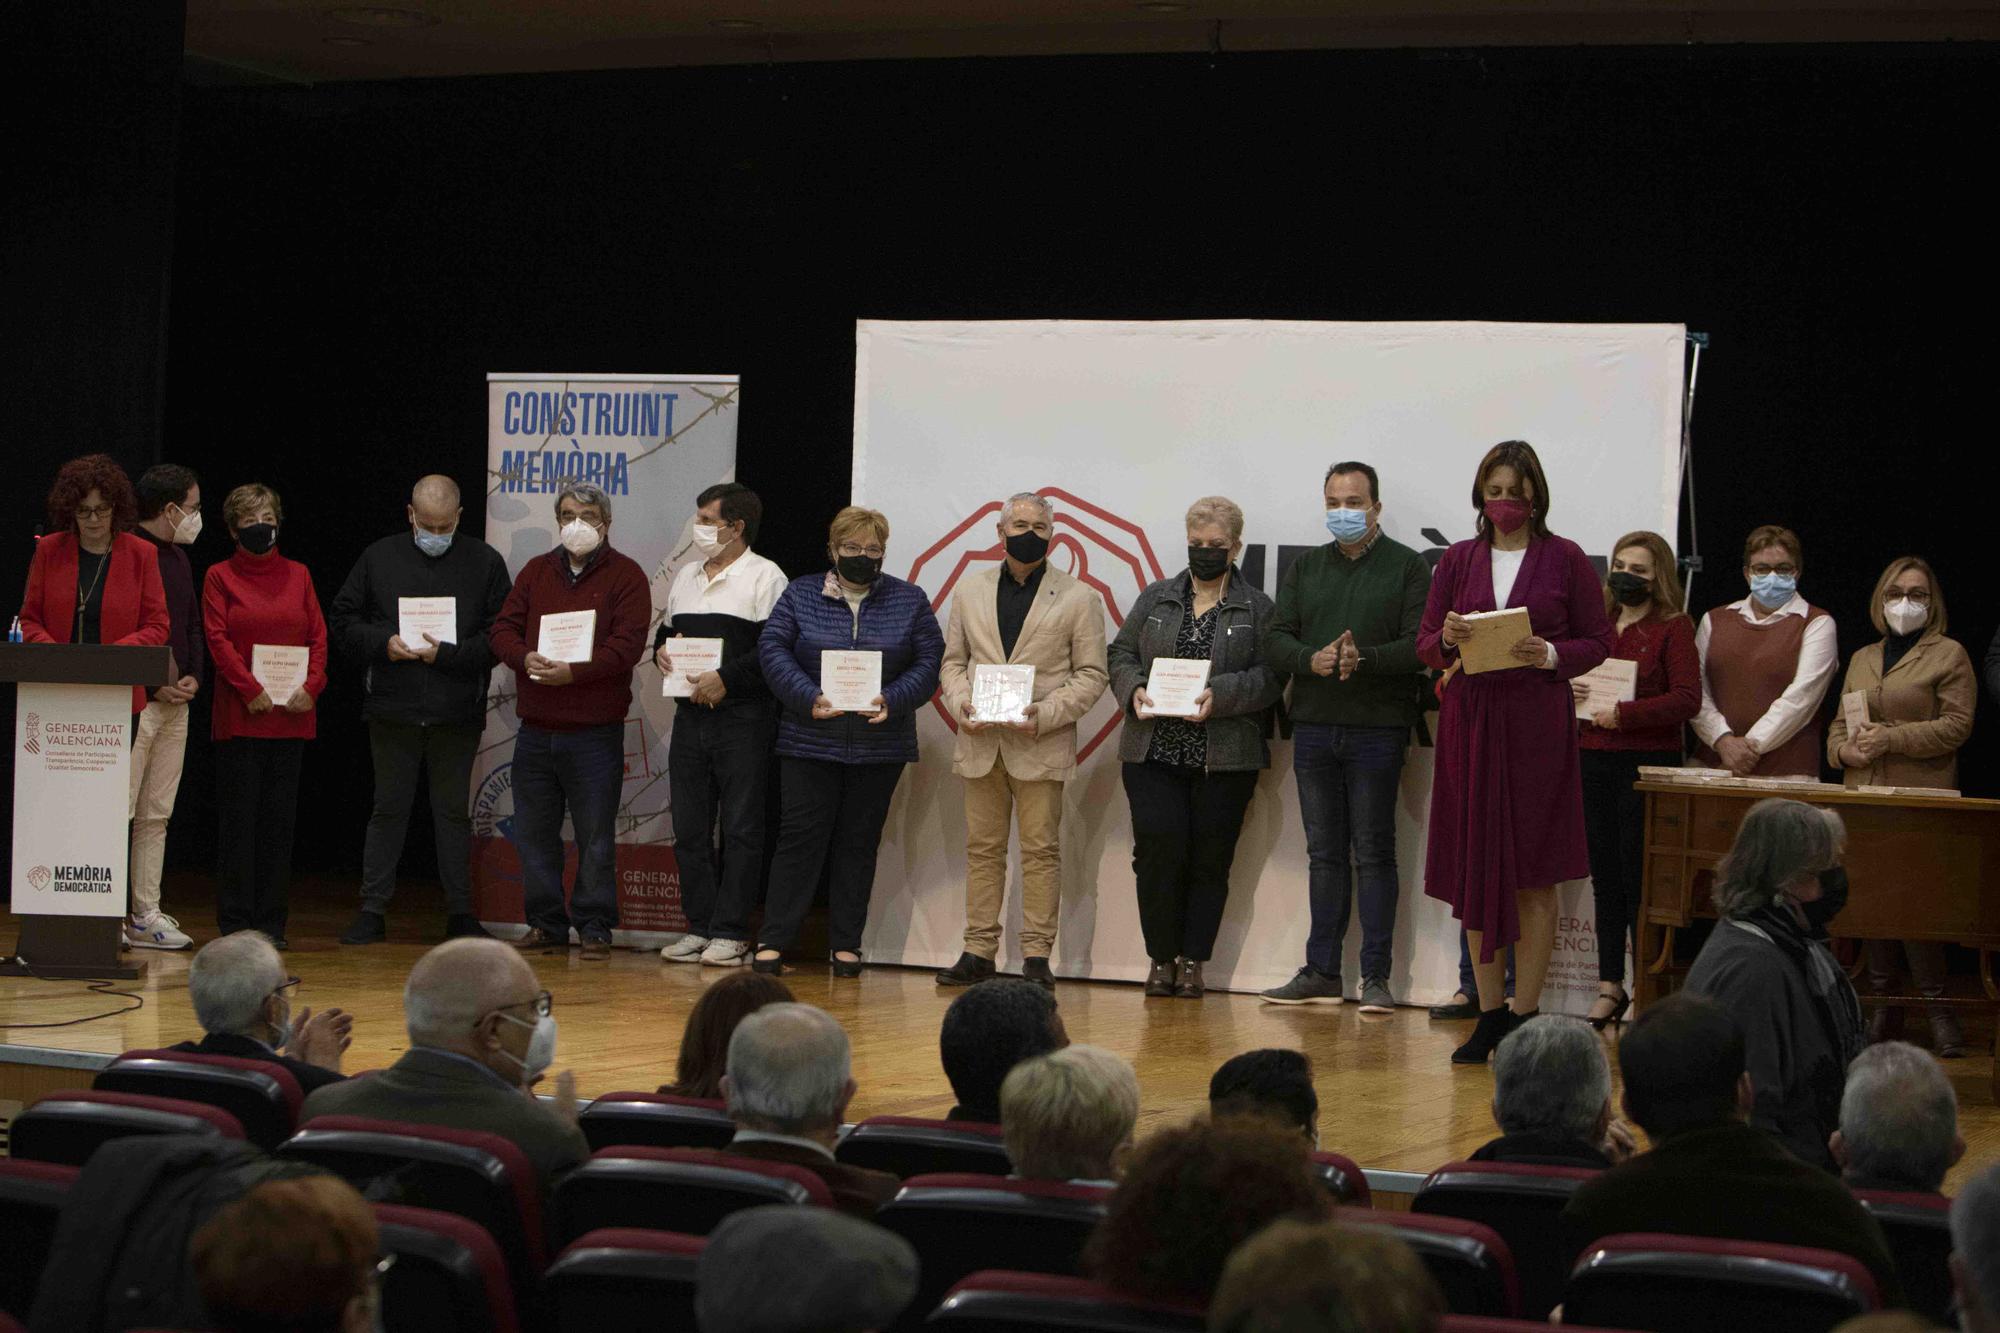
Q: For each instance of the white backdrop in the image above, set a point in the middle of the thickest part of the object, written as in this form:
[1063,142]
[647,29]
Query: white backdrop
[1125,424]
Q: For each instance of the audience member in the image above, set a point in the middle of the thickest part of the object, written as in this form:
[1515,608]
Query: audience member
[987,1031]
[704,1054]
[481,1036]
[1069,1115]
[1275,1082]
[239,988]
[295,1255]
[788,1084]
[1711,1173]
[1190,1196]
[1320,1277]
[1898,1122]
[840,1274]
[1975,1259]
[1552,1098]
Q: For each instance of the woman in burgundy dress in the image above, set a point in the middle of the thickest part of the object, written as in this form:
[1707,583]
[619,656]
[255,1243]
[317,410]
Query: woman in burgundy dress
[1507,800]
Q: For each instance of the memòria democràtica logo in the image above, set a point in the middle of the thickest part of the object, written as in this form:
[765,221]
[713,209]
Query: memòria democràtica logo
[1106,553]
[39,878]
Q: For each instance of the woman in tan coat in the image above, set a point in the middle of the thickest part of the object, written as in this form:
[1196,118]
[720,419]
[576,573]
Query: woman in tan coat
[1920,690]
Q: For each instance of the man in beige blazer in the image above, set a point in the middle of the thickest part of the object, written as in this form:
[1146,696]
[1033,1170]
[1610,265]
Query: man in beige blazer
[1021,613]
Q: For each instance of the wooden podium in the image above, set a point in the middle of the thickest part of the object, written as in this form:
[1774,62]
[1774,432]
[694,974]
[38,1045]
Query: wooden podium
[72,776]
[1918,867]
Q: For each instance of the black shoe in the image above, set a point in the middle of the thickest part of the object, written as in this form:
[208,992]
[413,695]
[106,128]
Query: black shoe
[1461,1009]
[1616,1018]
[843,967]
[1160,979]
[366,928]
[969,970]
[770,967]
[539,940]
[1494,1025]
[458,926]
[1037,971]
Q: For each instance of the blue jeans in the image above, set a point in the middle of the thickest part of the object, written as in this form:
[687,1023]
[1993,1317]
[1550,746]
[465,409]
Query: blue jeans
[1467,985]
[1347,792]
[585,772]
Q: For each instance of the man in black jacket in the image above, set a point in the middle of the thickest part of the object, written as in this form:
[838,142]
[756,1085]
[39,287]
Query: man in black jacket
[426,694]
[242,998]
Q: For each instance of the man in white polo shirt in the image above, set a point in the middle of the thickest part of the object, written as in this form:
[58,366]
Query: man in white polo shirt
[718,760]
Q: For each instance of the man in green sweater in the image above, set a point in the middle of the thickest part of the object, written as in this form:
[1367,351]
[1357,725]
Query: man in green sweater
[1346,631]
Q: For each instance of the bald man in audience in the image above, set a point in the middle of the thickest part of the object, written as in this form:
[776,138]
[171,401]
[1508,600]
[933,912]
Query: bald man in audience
[481,1037]
[242,998]
[1898,1122]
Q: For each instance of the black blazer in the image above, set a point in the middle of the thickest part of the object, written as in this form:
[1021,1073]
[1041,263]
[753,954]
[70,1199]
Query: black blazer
[310,1077]
[857,1190]
[1536,1149]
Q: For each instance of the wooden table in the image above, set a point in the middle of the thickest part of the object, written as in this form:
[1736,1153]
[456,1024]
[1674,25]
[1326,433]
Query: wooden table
[1920,868]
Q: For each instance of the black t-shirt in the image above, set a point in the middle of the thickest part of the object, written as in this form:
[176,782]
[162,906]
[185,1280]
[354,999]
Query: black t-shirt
[90,574]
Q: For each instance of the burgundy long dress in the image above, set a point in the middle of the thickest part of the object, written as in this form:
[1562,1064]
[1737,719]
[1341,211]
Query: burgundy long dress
[1507,799]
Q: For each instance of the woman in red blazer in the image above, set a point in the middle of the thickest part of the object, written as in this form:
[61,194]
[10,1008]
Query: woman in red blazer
[90,581]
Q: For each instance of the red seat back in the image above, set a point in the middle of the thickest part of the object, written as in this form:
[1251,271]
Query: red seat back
[31,1201]
[1344,1179]
[963,1224]
[1523,1204]
[448,1277]
[1471,1263]
[67,1127]
[1918,1228]
[908,1146]
[1001,1302]
[264,1097]
[655,1119]
[624,1277]
[688,1190]
[1669,1283]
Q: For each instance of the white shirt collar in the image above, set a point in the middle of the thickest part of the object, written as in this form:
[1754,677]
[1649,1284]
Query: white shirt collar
[1797,606]
[759,1136]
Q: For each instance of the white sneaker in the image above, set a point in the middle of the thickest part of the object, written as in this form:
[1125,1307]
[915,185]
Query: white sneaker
[686,949]
[725,953]
[158,931]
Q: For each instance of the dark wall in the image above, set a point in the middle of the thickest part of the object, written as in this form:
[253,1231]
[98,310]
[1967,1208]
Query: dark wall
[352,259]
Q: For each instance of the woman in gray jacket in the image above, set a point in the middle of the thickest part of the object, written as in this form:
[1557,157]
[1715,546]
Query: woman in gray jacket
[1190,778]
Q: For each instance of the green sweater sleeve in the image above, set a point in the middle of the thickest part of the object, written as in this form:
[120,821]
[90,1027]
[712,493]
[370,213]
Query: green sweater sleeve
[1282,647]
[1398,657]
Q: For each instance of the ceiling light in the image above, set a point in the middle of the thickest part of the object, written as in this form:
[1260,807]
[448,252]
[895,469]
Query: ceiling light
[736,25]
[377,16]
[347,41]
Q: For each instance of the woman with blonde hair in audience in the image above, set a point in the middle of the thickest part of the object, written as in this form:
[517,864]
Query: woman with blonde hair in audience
[1068,1115]
[1919,691]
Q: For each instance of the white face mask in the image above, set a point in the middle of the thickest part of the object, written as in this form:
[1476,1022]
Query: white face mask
[541,1047]
[188,528]
[708,539]
[282,1034]
[1905,616]
[579,538]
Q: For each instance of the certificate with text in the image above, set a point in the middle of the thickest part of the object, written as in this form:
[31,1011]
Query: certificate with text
[687,658]
[1615,680]
[851,680]
[567,636]
[418,616]
[1175,683]
[280,669]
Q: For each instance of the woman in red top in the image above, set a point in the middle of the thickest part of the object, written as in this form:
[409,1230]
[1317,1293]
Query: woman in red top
[1643,591]
[90,582]
[257,598]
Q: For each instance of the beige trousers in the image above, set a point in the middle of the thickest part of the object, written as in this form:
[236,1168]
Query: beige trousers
[157,752]
[992,803]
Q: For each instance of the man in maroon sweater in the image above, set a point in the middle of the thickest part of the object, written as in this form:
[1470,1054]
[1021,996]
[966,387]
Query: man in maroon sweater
[570,753]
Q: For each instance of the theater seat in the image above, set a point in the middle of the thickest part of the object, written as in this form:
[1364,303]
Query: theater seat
[1001,1302]
[655,1119]
[1477,1323]
[1471,1263]
[1693,1284]
[688,1190]
[67,1127]
[481,1177]
[624,1277]
[963,1224]
[1919,1230]
[1523,1204]
[31,1200]
[908,1146]
[264,1098]
[448,1276]
[1343,1179]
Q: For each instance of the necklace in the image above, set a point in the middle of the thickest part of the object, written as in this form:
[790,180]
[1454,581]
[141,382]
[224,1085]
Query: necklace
[91,592]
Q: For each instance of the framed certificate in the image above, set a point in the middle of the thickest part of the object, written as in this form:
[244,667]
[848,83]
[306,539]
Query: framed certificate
[568,636]
[851,680]
[1175,683]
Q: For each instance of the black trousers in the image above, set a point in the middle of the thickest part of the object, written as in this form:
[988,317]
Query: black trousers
[257,810]
[719,766]
[1614,825]
[828,807]
[1185,823]
[401,751]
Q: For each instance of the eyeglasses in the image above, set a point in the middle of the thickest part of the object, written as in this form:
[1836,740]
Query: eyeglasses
[93,511]
[589,520]
[1920,596]
[1782,571]
[850,549]
[286,987]
[544,1004]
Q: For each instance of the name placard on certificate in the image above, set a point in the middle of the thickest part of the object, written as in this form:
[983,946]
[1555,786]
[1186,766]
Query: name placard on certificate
[418,616]
[1615,680]
[567,636]
[688,657]
[1175,683]
[851,680]
[1001,693]
[280,669]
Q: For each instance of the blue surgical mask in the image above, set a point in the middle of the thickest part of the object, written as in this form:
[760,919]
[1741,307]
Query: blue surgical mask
[1347,525]
[434,543]
[1773,590]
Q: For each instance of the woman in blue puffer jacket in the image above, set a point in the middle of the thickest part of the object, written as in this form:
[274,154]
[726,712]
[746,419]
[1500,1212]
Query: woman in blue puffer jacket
[838,769]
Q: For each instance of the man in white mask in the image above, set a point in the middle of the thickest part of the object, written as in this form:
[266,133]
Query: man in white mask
[573,684]
[242,997]
[482,1035]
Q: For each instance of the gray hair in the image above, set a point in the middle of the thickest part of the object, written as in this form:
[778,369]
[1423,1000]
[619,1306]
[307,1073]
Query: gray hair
[1550,1075]
[1040,502]
[788,1070]
[1779,843]
[1898,1118]
[1975,1236]
[455,985]
[231,978]
[584,494]
[1218,509]
[1066,1114]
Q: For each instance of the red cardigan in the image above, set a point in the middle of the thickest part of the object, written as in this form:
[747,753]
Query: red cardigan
[600,690]
[251,599]
[133,609]
[1669,692]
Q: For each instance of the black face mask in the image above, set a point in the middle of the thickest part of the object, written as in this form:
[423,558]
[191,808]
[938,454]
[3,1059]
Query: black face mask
[1207,563]
[1028,547]
[1629,589]
[859,568]
[257,538]
[1832,897]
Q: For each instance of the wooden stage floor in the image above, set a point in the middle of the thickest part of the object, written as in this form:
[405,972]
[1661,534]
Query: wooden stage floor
[1389,1097]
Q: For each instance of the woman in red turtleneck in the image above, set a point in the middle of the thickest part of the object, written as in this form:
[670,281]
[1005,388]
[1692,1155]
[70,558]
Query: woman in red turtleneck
[257,597]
